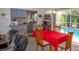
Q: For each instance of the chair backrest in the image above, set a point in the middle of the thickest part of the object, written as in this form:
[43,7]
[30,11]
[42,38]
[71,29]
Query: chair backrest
[9,36]
[20,42]
[69,40]
[39,36]
[57,28]
[48,28]
[37,27]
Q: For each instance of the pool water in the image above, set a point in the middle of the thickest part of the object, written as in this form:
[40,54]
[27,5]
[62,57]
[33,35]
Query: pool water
[76,33]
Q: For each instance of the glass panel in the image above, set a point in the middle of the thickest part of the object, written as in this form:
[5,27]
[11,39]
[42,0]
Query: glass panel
[68,18]
[71,23]
[60,19]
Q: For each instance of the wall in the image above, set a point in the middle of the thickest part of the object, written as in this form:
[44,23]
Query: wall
[4,20]
[28,16]
[41,11]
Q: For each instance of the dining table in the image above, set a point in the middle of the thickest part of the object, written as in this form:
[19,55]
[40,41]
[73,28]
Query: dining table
[52,37]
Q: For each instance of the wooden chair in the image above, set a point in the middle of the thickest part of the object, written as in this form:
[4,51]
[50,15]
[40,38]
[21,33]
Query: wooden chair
[48,28]
[57,28]
[40,41]
[38,27]
[68,42]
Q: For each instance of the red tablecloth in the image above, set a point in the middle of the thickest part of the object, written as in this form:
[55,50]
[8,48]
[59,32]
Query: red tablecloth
[53,37]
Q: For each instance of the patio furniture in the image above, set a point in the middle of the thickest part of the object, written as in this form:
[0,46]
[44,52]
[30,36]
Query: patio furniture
[23,29]
[57,28]
[53,37]
[19,42]
[9,35]
[68,42]
[38,27]
[48,28]
[40,40]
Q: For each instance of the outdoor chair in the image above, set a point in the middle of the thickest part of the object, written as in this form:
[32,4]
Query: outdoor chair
[40,41]
[68,42]
[57,28]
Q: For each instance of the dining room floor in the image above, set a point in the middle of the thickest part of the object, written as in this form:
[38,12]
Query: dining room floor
[32,46]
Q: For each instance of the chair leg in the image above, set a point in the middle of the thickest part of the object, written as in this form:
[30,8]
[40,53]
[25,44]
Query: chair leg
[42,48]
[52,48]
[37,47]
[70,48]
[65,49]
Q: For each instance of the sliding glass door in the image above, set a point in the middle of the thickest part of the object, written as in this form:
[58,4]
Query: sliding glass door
[69,21]
[68,18]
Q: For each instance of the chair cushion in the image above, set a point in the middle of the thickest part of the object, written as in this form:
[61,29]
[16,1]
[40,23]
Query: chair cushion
[45,42]
[62,44]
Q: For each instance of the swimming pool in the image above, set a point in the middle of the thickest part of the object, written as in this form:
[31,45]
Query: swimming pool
[76,33]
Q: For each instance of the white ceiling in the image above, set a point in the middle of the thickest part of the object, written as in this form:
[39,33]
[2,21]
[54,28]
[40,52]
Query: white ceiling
[43,10]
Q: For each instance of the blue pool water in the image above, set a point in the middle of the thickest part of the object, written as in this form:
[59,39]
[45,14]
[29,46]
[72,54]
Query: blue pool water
[76,31]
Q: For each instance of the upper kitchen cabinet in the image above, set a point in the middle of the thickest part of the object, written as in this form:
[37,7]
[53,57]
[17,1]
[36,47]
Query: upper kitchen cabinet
[18,13]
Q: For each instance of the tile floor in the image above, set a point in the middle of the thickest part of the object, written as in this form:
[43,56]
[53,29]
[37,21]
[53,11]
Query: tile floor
[32,46]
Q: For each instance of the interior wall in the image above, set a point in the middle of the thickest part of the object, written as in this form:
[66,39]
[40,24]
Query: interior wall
[4,20]
[28,16]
